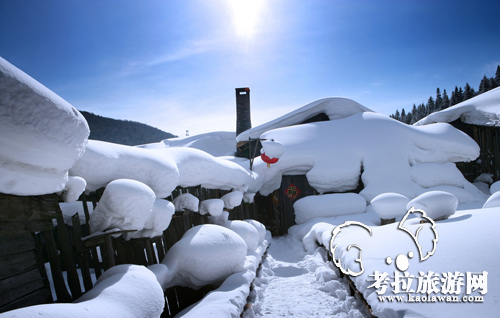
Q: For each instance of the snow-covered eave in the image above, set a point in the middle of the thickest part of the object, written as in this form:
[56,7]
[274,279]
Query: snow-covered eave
[482,110]
[333,107]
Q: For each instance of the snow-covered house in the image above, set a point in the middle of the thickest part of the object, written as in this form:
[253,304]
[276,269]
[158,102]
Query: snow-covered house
[335,145]
[478,117]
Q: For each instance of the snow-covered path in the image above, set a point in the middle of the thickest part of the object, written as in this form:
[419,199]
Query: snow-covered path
[294,283]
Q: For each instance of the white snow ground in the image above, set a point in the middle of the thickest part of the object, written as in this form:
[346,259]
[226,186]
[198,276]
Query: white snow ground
[293,283]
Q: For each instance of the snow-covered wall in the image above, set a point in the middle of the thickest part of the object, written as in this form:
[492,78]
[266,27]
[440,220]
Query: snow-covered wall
[162,169]
[386,155]
[41,135]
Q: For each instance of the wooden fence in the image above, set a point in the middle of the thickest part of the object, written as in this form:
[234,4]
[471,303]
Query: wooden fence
[77,259]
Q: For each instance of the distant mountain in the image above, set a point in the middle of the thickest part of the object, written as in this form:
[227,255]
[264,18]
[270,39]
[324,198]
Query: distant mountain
[123,132]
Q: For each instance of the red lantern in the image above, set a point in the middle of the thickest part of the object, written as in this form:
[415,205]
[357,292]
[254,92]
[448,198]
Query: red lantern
[268,160]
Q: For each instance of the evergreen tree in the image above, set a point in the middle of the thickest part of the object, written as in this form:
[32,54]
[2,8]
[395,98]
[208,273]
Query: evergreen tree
[446,100]
[468,92]
[397,116]
[497,76]
[460,96]
[439,100]
[431,106]
[409,118]
[484,86]
[421,111]
[403,115]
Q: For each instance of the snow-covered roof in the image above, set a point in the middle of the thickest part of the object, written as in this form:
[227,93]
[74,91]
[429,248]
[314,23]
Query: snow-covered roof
[482,110]
[333,107]
[41,135]
[387,155]
[217,143]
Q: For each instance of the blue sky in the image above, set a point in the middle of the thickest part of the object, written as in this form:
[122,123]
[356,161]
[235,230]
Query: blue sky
[174,64]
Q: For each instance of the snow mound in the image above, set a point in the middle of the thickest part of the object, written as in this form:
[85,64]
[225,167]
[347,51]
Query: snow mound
[232,199]
[326,205]
[247,232]
[158,220]
[336,156]
[73,189]
[162,169]
[123,291]
[390,205]
[217,143]
[186,201]
[493,201]
[261,229]
[334,108]
[213,207]
[437,205]
[206,254]
[125,204]
[41,135]
[483,110]
[495,187]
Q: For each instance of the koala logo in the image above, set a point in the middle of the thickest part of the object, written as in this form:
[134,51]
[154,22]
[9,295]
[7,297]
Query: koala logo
[402,263]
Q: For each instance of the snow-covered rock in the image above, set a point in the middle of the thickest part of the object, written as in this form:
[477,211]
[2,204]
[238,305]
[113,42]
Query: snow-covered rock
[125,204]
[436,204]
[186,201]
[206,254]
[390,205]
[247,232]
[123,291]
[41,135]
[493,201]
[232,199]
[326,205]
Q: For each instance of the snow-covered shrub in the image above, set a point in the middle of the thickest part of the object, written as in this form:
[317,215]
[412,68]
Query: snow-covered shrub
[484,177]
[125,204]
[213,207]
[438,205]
[206,254]
[41,135]
[73,189]
[248,197]
[261,229]
[326,205]
[389,205]
[493,201]
[495,187]
[186,201]
[232,199]
[158,221]
[247,232]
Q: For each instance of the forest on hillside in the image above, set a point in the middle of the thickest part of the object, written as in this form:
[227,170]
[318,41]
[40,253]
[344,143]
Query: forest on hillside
[442,100]
[123,132]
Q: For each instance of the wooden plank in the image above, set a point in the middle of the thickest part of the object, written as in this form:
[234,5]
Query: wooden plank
[40,296]
[82,253]
[29,226]
[56,269]
[28,208]
[18,286]
[67,256]
[14,264]
[15,243]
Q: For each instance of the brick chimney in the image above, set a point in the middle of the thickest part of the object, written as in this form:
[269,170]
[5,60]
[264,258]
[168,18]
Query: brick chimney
[243,121]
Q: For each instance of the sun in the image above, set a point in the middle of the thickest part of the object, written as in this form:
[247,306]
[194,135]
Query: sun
[246,14]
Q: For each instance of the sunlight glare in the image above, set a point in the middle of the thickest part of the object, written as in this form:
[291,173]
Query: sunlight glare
[245,15]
